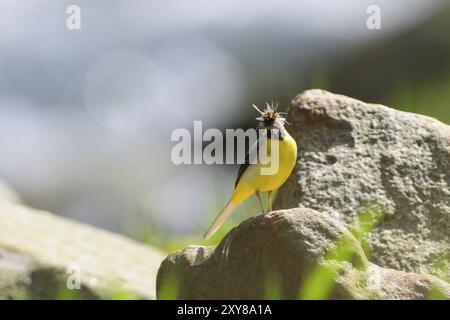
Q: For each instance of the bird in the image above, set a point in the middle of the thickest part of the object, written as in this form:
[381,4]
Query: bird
[251,178]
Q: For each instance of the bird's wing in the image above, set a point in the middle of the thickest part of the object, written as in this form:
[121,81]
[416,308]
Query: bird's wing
[251,157]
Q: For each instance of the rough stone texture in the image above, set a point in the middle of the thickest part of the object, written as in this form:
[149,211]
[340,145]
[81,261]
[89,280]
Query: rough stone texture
[281,250]
[38,249]
[354,155]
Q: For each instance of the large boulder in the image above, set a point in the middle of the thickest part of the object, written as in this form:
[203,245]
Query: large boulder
[7,193]
[289,254]
[354,156]
[43,256]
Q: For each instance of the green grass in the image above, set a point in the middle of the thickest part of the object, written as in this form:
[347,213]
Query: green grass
[319,283]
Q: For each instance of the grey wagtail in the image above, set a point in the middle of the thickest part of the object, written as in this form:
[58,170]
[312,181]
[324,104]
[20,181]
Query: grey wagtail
[251,178]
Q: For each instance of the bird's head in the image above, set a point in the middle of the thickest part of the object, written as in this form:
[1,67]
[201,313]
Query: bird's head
[270,117]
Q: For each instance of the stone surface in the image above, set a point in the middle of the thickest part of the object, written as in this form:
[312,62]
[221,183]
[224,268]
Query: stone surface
[288,254]
[40,253]
[354,155]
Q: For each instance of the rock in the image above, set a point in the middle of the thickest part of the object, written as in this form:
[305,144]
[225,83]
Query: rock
[43,256]
[355,157]
[7,193]
[289,254]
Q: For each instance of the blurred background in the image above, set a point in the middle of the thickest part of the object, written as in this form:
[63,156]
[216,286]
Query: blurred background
[86,115]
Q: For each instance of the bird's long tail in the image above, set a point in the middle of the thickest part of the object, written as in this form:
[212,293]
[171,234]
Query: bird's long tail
[229,208]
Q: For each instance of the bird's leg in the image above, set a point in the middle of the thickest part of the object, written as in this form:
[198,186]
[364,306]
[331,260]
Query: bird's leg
[260,202]
[269,194]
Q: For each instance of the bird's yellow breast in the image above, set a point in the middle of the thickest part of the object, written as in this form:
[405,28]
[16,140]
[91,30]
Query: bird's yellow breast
[260,177]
